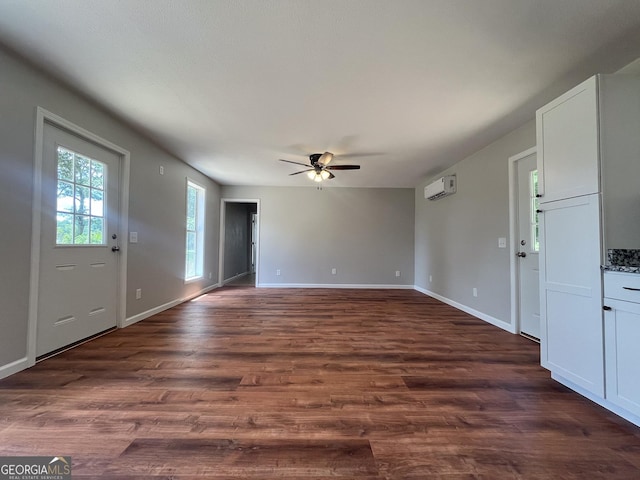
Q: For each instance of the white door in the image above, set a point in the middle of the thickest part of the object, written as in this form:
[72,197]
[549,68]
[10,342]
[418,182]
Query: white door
[78,280]
[622,331]
[527,247]
[571,291]
[567,143]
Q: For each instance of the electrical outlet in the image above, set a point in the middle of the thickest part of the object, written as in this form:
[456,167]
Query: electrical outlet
[161,170]
[278,272]
[209,275]
[138,293]
[334,271]
[430,279]
[133,237]
[502,242]
[475,292]
[397,273]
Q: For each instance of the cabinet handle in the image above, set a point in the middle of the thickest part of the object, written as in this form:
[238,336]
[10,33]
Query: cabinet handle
[539,211]
[606,308]
[538,195]
[632,289]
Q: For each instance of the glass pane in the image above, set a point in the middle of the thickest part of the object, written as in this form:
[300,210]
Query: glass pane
[81,231]
[191,203]
[534,206]
[65,164]
[97,204]
[97,174]
[64,229]
[191,265]
[65,197]
[191,241]
[191,223]
[82,200]
[83,169]
[97,231]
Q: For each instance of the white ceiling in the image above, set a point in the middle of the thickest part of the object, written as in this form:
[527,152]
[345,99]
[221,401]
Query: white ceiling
[232,86]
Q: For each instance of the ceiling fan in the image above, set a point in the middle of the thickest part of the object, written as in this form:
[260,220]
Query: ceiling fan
[320,169]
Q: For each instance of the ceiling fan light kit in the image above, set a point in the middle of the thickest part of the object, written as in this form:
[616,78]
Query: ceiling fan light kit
[320,168]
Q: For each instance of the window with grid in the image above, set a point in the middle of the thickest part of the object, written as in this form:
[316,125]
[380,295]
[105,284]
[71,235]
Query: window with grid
[194,255]
[80,207]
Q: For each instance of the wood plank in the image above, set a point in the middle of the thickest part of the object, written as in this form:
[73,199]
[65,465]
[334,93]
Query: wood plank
[229,457]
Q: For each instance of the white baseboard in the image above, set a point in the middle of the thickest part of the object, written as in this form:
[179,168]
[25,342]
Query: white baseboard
[599,400]
[14,367]
[335,285]
[161,308]
[471,311]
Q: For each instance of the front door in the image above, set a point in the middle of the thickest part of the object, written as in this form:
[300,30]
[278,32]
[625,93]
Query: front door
[528,247]
[78,277]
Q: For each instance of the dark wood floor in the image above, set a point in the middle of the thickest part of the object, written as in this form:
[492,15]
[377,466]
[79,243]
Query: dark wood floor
[270,383]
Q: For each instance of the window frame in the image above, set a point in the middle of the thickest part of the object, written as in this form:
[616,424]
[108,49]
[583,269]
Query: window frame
[198,231]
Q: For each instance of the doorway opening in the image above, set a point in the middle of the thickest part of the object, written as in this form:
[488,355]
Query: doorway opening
[239,242]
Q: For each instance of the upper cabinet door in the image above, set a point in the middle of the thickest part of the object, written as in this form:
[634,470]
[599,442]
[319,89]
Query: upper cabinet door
[567,140]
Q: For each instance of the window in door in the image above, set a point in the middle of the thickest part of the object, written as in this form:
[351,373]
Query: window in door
[80,199]
[534,203]
[194,255]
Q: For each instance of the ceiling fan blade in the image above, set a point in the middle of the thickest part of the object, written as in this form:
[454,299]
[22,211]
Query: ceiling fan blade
[302,171]
[343,167]
[295,163]
[331,175]
[325,158]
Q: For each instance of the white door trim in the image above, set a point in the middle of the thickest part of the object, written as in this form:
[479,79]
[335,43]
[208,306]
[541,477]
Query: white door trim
[513,235]
[44,116]
[223,210]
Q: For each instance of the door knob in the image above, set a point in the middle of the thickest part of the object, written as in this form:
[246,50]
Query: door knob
[521,254]
[115,249]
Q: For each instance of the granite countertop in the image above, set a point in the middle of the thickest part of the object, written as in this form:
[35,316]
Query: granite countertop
[622,260]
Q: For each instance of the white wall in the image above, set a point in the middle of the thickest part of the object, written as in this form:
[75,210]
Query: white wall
[156,209]
[365,233]
[457,236]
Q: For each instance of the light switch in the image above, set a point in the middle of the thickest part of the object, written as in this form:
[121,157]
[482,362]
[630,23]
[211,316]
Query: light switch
[133,237]
[502,242]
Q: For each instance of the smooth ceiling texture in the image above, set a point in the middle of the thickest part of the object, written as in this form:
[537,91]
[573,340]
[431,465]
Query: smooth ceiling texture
[406,87]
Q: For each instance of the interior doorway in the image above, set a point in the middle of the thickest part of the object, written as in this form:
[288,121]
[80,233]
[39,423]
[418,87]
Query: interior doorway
[239,240]
[525,276]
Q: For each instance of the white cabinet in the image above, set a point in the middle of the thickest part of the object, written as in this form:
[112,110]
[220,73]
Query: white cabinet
[571,338]
[567,142]
[588,144]
[622,334]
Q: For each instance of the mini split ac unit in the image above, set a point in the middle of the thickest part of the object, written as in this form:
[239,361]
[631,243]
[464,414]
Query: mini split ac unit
[441,187]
